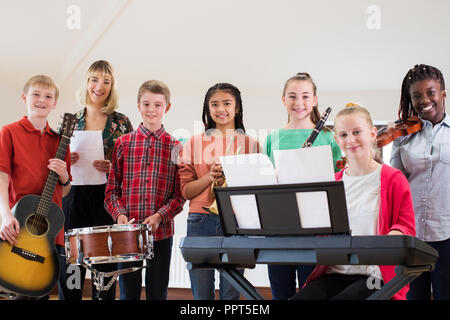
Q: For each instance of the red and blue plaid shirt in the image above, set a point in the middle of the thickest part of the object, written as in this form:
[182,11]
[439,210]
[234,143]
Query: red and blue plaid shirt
[144,179]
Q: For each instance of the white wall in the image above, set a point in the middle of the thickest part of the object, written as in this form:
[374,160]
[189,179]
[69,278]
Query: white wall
[253,44]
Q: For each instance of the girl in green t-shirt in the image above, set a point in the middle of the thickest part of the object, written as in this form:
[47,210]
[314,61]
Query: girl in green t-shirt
[301,102]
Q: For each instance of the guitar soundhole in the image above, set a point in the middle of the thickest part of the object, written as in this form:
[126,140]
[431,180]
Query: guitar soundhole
[37,225]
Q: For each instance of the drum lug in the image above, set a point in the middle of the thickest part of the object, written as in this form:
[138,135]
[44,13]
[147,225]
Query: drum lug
[80,250]
[149,243]
[141,243]
[110,245]
[67,249]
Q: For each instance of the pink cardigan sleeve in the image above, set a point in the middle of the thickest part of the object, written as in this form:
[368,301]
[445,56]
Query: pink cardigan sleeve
[400,205]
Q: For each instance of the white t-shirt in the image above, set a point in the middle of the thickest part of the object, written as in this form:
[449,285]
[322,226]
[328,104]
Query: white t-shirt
[363,202]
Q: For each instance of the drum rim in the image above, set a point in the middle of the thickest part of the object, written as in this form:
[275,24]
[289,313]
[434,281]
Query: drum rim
[129,257]
[106,228]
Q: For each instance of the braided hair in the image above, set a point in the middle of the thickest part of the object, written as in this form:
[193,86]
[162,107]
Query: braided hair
[206,115]
[418,73]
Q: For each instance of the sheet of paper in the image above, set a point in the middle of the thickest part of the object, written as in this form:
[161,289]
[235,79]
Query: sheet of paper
[253,169]
[89,145]
[313,209]
[303,165]
[246,211]
[247,170]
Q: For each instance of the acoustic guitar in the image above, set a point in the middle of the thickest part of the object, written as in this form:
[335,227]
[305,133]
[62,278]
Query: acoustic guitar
[31,266]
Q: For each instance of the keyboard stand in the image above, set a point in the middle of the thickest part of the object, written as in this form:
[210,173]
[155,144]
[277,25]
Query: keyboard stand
[404,275]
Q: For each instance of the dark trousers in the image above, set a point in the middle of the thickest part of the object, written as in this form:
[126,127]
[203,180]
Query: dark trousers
[438,279]
[336,287]
[84,207]
[282,279]
[156,274]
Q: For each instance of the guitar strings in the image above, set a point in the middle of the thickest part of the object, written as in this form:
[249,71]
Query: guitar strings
[39,220]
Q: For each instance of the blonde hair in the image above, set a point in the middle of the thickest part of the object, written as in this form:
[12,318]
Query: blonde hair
[103,67]
[154,86]
[353,108]
[42,80]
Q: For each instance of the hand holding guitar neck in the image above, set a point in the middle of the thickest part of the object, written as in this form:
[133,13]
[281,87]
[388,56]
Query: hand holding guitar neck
[30,265]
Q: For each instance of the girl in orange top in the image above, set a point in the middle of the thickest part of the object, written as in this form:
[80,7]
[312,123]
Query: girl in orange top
[224,134]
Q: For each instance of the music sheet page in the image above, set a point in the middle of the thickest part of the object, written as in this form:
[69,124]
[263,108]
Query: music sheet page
[89,145]
[247,170]
[303,165]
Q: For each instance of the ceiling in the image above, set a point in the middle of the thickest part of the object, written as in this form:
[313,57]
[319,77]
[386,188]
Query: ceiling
[255,44]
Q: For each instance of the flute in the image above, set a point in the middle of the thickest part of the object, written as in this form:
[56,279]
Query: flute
[308,143]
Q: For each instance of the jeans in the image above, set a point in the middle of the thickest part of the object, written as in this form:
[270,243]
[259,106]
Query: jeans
[202,281]
[282,279]
[438,279]
[156,274]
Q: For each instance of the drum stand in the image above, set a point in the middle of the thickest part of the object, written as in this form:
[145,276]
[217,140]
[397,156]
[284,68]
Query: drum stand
[98,277]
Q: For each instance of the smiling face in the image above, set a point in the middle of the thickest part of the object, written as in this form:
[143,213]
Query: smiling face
[99,87]
[299,99]
[40,100]
[152,107]
[222,108]
[355,135]
[428,100]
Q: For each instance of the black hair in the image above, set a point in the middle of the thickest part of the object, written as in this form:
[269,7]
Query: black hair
[206,116]
[418,73]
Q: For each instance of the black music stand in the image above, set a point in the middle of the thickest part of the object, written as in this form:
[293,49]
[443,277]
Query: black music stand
[278,209]
[278,213]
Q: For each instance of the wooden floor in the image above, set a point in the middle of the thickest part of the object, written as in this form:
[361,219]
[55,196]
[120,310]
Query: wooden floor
[172,294]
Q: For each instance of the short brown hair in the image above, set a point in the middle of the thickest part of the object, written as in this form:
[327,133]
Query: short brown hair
[154,86]
[42,80]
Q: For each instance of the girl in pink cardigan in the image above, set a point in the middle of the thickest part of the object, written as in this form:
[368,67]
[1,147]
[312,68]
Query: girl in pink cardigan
[379,203]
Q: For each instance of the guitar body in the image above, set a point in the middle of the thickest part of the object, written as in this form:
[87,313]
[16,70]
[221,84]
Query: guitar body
[31,266]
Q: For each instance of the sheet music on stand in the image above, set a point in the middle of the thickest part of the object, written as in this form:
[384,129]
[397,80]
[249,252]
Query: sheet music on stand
[303,165]
[254,169]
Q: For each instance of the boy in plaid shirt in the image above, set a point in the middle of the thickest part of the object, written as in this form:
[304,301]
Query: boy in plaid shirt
[144,184]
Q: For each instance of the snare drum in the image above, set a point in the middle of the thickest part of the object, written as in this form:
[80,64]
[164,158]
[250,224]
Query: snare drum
[109,244]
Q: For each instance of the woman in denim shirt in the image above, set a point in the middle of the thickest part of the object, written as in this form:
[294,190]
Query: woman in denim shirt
[424,158]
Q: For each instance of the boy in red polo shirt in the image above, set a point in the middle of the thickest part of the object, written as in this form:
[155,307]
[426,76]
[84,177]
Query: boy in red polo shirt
[144,185]
[27,154]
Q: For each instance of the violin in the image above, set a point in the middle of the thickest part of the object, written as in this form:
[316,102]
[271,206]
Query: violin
[401,128]
[390,134]
[341,163]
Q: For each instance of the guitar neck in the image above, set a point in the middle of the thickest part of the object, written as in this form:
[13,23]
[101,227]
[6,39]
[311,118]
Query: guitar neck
[52,179]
